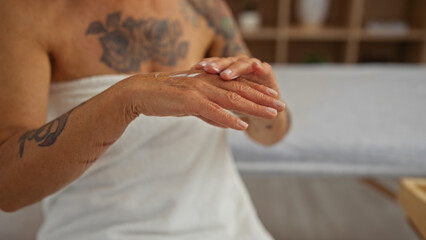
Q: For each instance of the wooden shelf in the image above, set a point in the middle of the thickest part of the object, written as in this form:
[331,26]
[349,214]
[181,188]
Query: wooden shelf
[412,198]
[266,33]
[411,35]
[328,34]
[343,39]
[331,34]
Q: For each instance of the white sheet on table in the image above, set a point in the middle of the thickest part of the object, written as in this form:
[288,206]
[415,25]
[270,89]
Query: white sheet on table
[368,120]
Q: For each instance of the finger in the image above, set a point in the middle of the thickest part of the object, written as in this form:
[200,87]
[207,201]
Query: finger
[241,67]
[258,97]
[261,88]
[263,70]
[234,102]
[212,122]
[220,64]
[204,62]
[243,89]
[262,73]
[217,114]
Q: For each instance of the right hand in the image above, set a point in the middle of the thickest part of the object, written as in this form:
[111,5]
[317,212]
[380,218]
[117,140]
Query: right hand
[205,96]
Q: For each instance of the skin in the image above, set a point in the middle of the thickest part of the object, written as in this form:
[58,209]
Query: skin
[56,41]
[243,68]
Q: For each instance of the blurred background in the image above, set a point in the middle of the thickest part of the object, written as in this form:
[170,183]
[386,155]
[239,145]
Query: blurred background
[334,31]
[323,183]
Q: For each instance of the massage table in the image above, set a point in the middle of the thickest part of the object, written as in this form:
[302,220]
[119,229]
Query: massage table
[347,121]
[362,121]
[358,121]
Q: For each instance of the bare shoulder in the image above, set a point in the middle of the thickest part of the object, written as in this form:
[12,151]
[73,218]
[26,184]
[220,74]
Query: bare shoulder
[17,11]
[24,17]
[24,66]
[228,41]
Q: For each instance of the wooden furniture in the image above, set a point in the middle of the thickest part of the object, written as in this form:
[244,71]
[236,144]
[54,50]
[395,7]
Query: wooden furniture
[344,38]
[412,198]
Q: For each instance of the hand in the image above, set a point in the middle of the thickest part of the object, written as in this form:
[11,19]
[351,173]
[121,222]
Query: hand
[200,94]
[242,68]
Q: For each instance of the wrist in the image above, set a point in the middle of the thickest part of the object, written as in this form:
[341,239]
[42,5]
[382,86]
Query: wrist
[130,94]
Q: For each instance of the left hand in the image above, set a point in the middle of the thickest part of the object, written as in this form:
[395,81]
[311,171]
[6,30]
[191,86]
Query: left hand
[244,68]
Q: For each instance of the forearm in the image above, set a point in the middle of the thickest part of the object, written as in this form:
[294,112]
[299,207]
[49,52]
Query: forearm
[36,163]
[39,162]
[268,132]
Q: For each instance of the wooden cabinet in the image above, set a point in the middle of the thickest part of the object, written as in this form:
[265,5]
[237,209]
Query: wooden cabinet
[344,37]
[412,198]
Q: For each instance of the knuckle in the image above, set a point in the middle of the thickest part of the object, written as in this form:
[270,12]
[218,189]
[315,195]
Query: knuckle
[224,117]
[233,97]
[212,107]
[261,96]
[241,87]
[259,87]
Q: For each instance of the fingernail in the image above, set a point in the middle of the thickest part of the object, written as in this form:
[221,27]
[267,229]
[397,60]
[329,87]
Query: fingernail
[272,110]
[243,124]
[213,66]
[279,103]
[227,72]
[272,92]
[202,64]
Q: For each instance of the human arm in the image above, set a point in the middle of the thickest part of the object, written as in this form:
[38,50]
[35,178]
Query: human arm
[38,159]
[228,52]
[242,68]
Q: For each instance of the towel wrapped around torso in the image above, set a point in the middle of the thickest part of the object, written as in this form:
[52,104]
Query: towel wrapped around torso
[165,178]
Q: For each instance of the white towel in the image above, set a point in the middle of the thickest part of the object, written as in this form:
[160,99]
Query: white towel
[165,178]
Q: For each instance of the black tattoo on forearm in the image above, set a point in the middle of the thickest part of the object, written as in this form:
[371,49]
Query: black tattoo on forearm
[47,134]
[127,44]
[219,18]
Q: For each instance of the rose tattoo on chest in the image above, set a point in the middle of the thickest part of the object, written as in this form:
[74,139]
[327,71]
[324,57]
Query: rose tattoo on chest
[127,44]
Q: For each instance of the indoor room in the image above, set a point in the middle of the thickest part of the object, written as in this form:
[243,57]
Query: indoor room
[213,119]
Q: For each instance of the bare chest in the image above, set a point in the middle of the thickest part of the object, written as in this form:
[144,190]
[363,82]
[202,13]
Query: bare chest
[128,39]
